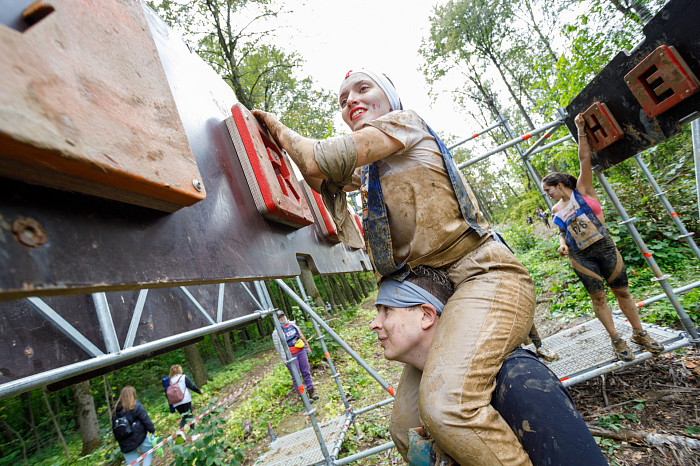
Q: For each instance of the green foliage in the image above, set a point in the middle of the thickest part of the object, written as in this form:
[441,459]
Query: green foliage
[209,448]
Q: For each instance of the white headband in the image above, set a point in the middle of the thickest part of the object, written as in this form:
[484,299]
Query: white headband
[384,83]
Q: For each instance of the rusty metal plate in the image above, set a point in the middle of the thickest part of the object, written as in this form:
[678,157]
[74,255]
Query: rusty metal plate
[675,25]
[662,80]
[85,105]
[90,244]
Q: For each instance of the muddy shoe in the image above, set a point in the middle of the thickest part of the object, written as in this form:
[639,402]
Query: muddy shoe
[643,339]
[547,354]
[312,395]
[622,351]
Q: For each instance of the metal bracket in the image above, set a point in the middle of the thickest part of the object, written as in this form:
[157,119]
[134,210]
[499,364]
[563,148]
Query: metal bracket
[629,220]
[687,235]
[662,277]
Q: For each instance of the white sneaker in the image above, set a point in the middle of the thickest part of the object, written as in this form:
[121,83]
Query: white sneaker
[195,437]
[182,435]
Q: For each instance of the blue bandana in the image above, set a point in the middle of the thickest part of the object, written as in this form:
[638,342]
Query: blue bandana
[393,293]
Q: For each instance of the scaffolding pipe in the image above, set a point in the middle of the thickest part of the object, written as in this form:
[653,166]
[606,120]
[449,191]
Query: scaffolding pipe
[335,336]
[567,382]
[135,319]
[365,454]
[695,131]
[104,317]
[658,274]
[374,406]
[661,296]
[64,327]
[327,355]
[526,162]
[556,142]
[300,388]
[508,144]
[474,136]
[687,237]
[103,360]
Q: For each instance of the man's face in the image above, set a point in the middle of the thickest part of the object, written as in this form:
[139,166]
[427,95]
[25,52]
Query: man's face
[399,330]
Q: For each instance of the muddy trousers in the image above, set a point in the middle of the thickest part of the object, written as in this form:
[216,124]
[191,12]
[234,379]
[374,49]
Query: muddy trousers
[542,414]
[487,317]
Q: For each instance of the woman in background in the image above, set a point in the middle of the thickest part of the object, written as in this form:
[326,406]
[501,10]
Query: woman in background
[138,441]
[592,252]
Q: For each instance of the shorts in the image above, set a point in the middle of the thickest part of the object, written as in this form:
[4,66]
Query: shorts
[599,263]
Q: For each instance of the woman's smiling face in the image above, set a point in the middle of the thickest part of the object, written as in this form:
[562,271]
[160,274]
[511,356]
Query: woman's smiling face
[361,101]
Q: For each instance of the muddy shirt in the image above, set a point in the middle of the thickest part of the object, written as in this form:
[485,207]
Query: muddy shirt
[427,226]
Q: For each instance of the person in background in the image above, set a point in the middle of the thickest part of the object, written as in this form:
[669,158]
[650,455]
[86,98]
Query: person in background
[139,441]
[591,251]
[166,383]
[183,407]
[528,219]
[295,340]
[544,216]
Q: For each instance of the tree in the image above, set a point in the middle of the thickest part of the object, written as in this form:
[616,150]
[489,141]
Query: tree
[196,365]
[86,416]
[474,29]
[233,36]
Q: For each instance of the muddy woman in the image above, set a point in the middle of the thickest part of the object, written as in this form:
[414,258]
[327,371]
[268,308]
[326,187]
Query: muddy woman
[419,212]
[591,251]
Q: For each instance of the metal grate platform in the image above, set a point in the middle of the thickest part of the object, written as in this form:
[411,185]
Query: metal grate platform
[587,348]
[302,448]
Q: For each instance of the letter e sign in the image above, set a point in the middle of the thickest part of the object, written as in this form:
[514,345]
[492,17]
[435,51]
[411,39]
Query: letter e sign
[661,81]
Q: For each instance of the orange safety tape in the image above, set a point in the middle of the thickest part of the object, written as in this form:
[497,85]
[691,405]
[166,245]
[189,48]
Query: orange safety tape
[475,135]
[327,355]
[390,389]
[546,136]
[646,254]
[674,215]
[526,137]
[640,304]
[565,378]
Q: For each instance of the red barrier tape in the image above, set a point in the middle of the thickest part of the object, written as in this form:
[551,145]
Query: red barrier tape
[196,419]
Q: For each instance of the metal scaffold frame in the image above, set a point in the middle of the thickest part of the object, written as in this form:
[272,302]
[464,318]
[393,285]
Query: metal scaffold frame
[628,222]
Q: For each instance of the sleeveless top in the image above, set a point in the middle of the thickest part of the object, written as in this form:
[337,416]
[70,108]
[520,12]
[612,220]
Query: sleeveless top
[578,223]
[417,208]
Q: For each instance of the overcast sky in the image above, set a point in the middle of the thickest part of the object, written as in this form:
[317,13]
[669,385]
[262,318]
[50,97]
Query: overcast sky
[335,36]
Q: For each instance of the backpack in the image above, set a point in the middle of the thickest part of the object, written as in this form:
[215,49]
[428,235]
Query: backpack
[173,393]
[121,427]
